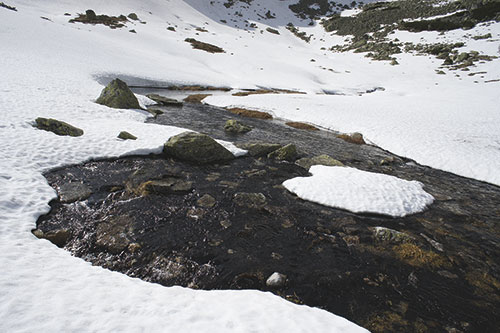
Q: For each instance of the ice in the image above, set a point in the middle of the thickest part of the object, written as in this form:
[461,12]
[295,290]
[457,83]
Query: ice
[360,191]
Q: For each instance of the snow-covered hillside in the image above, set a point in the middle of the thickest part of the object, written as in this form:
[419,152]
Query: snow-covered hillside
[49,69]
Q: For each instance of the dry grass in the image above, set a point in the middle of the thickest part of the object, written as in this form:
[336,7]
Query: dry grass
[355,138]
[196,98]
[250,113]
[415,256]
[302,126]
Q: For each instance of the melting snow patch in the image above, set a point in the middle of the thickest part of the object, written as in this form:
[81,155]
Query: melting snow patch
[360,191]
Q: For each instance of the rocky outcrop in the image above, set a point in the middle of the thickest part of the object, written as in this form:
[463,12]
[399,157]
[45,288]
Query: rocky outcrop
[196,147]
[118,95]
[235,127]
[57,127]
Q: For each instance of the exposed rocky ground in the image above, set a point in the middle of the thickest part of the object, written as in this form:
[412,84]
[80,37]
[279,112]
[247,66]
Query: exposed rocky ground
[232,225]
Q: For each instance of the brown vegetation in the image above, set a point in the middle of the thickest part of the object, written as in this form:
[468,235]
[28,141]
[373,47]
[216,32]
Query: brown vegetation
[302,126]
[250,113]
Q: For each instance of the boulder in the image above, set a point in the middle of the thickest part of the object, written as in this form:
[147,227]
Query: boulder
[259,149]
[71,192]
[169,185]
[57,127]
[235,127]
[58,237]
[196,147]
[307,162]
[286,153]
[118,95]
[126,136]
[162,100]
[276,280]
[206,201]
[250,200]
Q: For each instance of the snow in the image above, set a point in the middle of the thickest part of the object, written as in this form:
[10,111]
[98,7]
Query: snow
[360,191]
[48,70]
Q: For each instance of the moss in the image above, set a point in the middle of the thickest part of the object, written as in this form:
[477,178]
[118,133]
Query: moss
[387,322]
[286,153]
[415,256]
[57,127]
[250,113]
[118,95]
[210,48]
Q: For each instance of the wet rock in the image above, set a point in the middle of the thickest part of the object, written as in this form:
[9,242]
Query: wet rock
[250,200]
[154,111]
[276,280]
[57,127]
[259,149]
[164,100]
[168,185]
[126,136]
[206,201]
[286,153]
[387,235]
[306,162]
[356,138]
[196,147]
[235,127]
[57,237]
[114,233]
[118,95]
[71,192]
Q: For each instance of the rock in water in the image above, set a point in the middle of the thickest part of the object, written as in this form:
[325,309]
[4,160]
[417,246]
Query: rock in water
[250,200]
[306,162]
[196,147]
[235,127]
[259,149]
[287,153]
[57,127]
[162,100]
[276,280]
[118,95]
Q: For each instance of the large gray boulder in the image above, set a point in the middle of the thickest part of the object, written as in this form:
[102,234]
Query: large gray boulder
[196,147]
[118,95]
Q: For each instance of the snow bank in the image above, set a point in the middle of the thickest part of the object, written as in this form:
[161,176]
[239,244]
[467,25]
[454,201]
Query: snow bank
[360,191]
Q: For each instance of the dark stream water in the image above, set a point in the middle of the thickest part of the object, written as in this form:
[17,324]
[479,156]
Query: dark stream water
[442,275]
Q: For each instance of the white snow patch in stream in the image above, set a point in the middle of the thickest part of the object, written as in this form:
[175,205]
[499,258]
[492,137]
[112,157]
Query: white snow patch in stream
[360,191]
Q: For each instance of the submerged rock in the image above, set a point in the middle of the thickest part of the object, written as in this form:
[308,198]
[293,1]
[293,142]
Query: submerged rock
[250,200]
[114,233]
[259,149]
[307,162]
[235,127]
[164,100]
[286,153]
[165,186]
[206,201]
[118,95]
[124,135]
[196,147]
[57,127]
[71,192]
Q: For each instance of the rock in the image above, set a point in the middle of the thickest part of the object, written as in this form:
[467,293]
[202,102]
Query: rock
[276,280]
[235,127]
[57,127]
[259,149]
[306,162]
[118,95]
[71,192]
[114,233]
[250,200]
[133,16]
[286,153]
[126,136]
[168,185]
[154,111]
[206,201]
[387,235]
[356,138]
[196,147]
[57,237]
[91,15]
[164,100]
